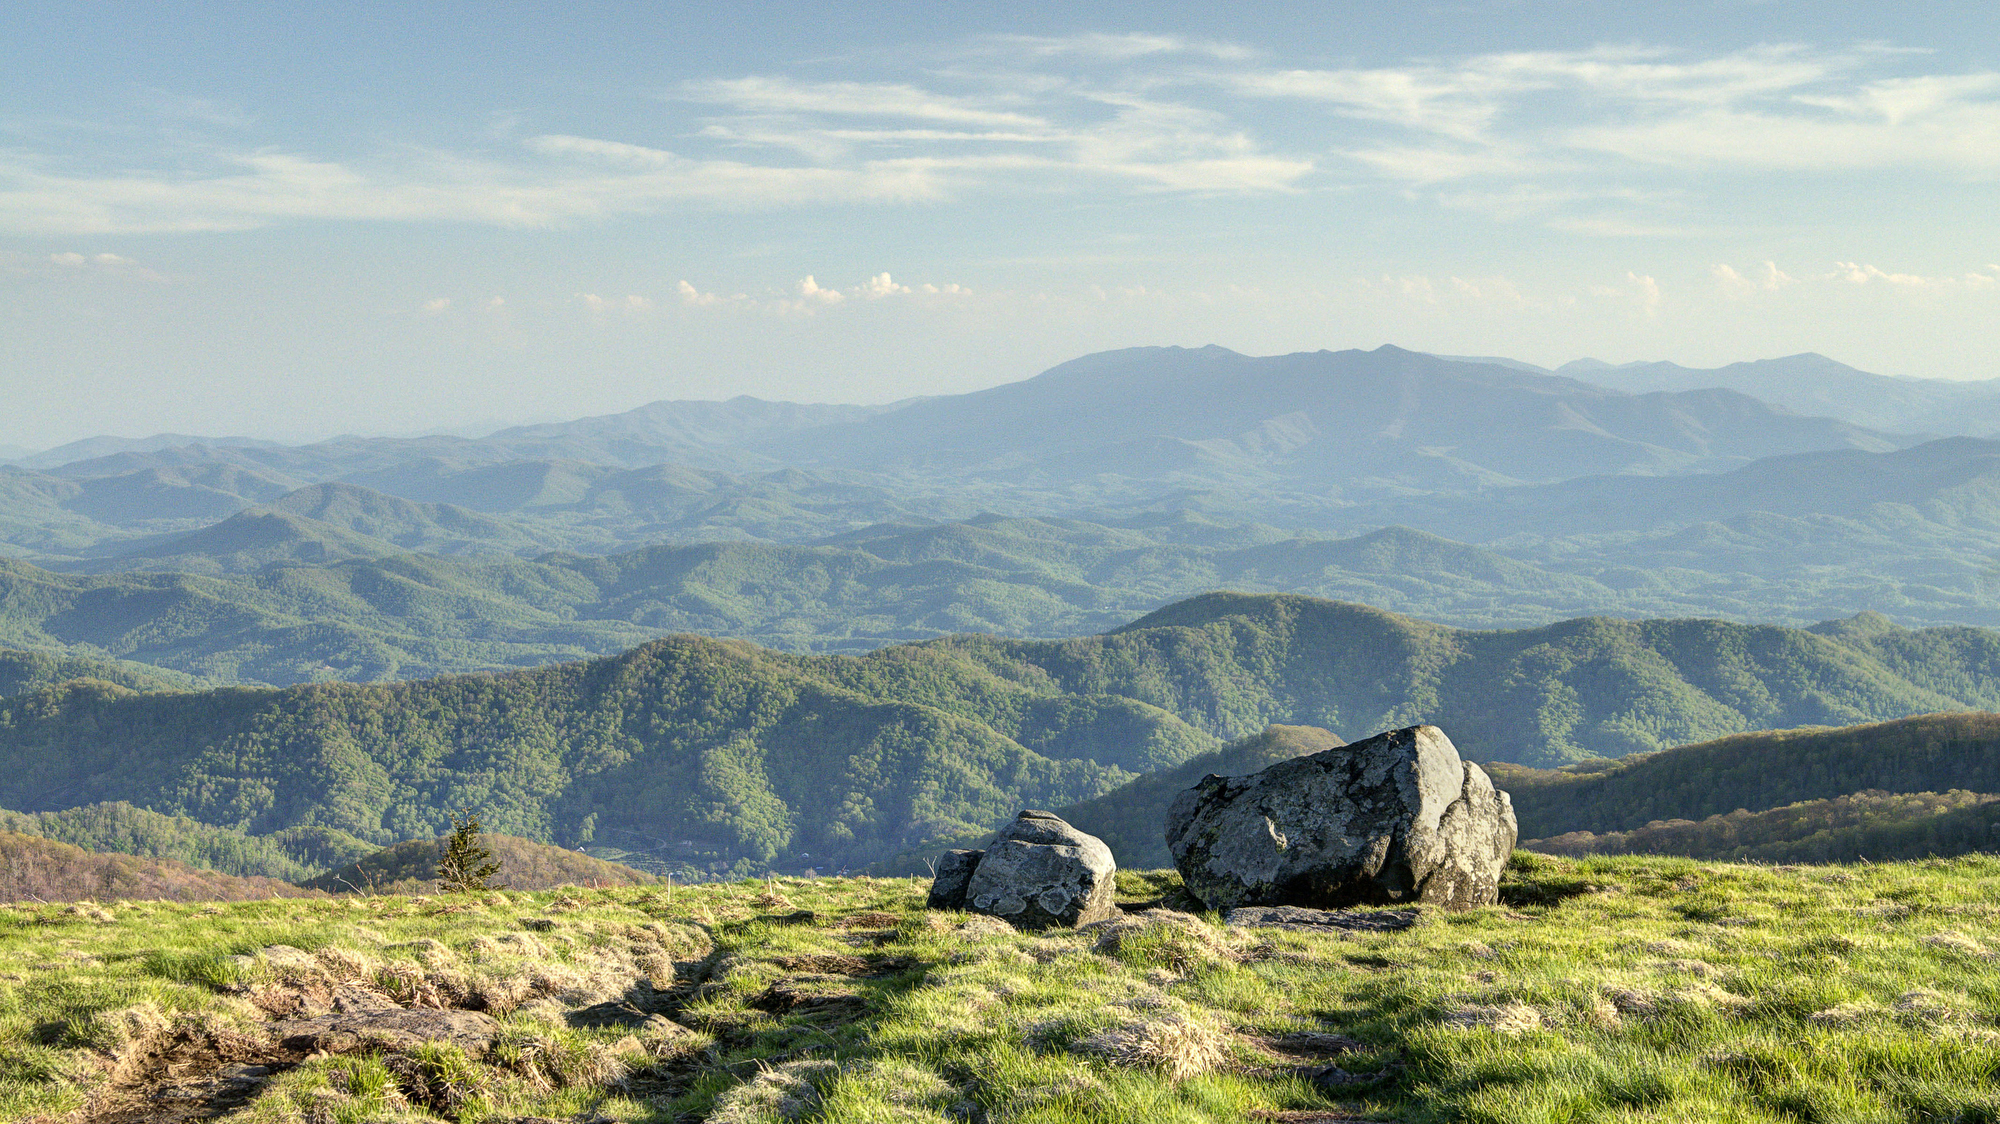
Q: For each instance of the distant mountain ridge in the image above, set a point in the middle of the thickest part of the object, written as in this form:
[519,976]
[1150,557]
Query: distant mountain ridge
[1810,383]
[1144,426]
[1541,495]
[1350,417]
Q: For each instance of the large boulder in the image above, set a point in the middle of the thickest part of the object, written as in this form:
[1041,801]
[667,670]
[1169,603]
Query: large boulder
[1394,819]
[1040,873]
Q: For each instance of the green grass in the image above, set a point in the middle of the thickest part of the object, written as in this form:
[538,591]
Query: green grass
[1609,989]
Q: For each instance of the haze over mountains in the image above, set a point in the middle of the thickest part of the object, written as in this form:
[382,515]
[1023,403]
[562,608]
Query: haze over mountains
[1476,492]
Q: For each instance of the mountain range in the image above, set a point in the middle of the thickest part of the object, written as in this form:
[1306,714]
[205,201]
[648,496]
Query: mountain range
[719,757]
[1478,492]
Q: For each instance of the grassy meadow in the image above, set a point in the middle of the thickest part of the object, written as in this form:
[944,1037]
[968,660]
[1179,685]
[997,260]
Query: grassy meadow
[1606,989]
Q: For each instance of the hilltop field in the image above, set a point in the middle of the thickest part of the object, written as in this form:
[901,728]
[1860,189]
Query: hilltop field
[1607,989]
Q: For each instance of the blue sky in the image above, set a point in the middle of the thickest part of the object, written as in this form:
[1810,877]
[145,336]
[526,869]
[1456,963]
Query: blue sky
[411,217]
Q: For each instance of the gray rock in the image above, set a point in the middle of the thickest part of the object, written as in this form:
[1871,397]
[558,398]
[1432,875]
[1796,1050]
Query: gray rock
[954,874]
[1300,920]
[1042,873]
[1392,820]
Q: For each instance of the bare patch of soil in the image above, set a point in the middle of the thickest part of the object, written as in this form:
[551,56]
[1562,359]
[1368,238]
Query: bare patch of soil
[189,1075]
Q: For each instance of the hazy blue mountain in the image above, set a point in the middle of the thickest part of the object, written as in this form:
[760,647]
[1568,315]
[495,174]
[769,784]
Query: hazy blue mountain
[1813,384]
[1953,481]
[694,433]
[1381,418]
[93,447]
[327,523]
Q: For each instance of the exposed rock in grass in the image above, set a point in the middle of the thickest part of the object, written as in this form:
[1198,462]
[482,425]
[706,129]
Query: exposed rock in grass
[953,878]
[1042,873]
[1322,920]
[1393,819]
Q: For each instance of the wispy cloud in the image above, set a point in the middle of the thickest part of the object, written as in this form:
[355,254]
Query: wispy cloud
[851,99]
[1557,138]
[1098,45]
[1769,278]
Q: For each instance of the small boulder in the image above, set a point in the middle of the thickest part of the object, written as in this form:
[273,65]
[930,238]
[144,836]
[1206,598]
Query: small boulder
[1042,873]
[954,874]
[1395,819]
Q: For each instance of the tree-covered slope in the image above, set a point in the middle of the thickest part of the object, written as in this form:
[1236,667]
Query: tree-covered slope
[1591,687]
[737,757]
[721,756]
[21,672]
[1870,826]
[1759,771]
[391,615]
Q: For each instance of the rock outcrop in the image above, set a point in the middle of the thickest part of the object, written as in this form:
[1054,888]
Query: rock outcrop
[1392,820]
[951,879]
[1040,873]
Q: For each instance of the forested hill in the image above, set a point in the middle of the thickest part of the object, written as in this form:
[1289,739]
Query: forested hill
[714,753]
[1591,687]
[729,757]
[21,672]
[1759,771]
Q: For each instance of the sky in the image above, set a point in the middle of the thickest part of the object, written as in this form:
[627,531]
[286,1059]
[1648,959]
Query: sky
[289,223]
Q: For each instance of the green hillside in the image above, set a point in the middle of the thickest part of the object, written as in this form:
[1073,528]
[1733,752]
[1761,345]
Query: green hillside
[711,756]
[739,757]
[1868,826]
[365,611]
[1932,753]
[33,868]
[21,672]
[121,828]
[1579,689]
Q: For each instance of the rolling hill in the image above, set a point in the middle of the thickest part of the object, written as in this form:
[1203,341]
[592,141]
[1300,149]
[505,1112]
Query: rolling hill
[721,757]
[33,868]
[411,867]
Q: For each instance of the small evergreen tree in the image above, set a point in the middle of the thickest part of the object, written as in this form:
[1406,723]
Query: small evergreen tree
[465,866]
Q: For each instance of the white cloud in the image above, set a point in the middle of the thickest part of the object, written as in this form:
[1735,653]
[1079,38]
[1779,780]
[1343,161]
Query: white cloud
[879,286]
[1852,275]
[691,295]
[1855,273]
[811,292]
[1648,292]
[613,151]
[437,306]
[1099,45]
[870,99]
[1770,279]
[1783,107]
[1173,116]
